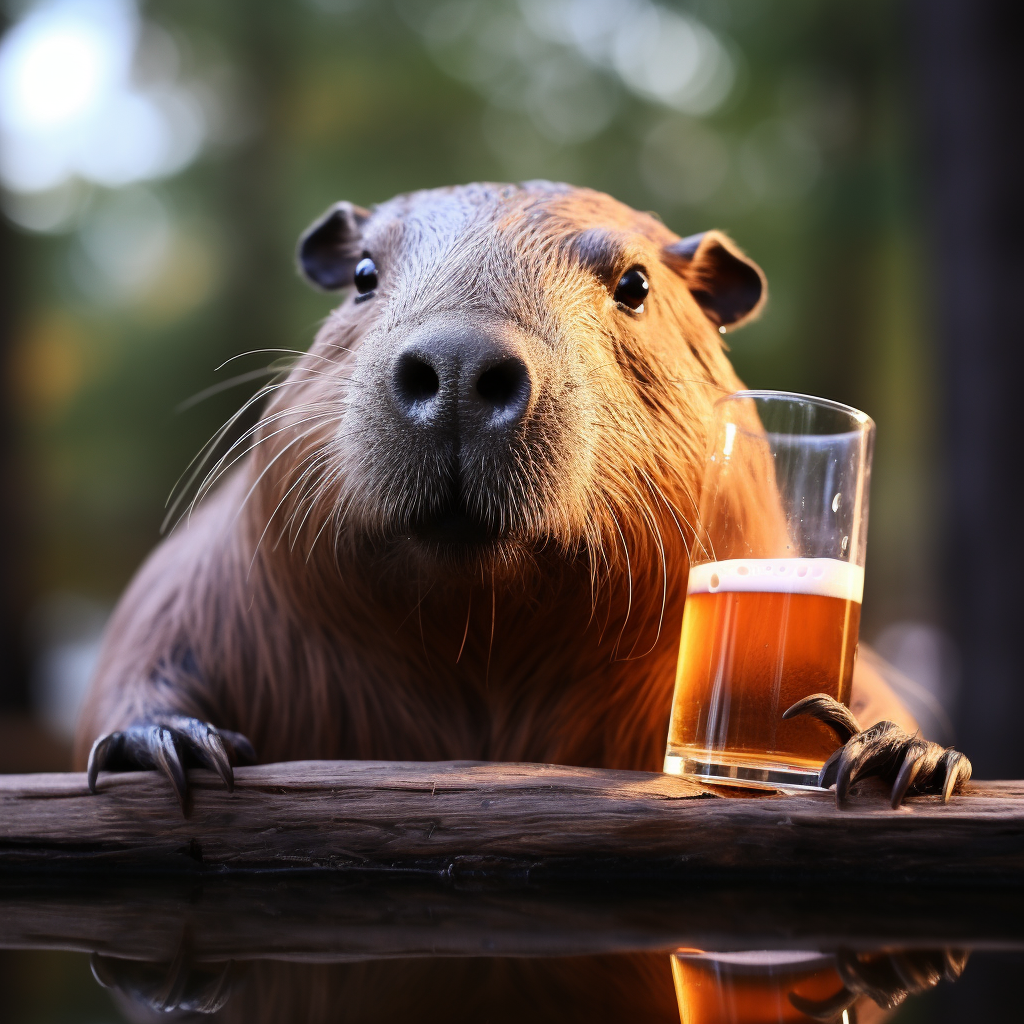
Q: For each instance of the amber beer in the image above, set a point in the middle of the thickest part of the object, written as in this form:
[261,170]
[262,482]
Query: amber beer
[754,988]
[758,635]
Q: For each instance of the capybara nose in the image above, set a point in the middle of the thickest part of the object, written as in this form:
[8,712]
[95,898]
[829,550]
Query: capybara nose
[502,391]
[416,385]
[465,381]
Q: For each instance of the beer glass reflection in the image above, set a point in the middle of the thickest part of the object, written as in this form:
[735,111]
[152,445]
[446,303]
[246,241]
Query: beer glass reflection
[775,587]
[792,987]
[755,988]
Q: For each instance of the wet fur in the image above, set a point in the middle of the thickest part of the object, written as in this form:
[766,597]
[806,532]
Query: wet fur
[293,606]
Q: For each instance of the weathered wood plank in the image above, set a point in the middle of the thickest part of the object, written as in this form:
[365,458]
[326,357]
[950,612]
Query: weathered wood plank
[526,821]
[324,917]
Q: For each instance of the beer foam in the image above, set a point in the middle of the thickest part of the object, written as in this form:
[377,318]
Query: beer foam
[826,577]
[759,957]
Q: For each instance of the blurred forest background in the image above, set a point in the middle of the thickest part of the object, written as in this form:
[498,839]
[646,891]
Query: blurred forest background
[158,162]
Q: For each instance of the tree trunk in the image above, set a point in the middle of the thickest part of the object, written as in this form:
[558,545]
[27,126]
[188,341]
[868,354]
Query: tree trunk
[971,83]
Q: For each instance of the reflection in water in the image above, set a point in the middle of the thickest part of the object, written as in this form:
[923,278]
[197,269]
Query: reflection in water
[772,987]
[753,988]
[763,987]
[634,988]
[181,985]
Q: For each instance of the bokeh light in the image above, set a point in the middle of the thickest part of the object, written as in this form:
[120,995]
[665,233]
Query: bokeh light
[72,105]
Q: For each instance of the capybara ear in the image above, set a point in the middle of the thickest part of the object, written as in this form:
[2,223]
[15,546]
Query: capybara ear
[330,248]
[729,286]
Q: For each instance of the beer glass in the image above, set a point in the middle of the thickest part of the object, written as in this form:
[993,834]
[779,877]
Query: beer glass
[764,987]
[774,592]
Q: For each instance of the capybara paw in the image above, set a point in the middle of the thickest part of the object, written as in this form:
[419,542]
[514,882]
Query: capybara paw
[908,763]
[885,978]
[168,744]
[180,986]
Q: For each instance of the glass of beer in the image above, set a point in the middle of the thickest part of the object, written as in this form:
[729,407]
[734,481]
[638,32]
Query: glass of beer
[764,987]
[774,591]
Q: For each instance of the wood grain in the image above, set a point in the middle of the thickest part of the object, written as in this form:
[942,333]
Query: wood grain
[317,918]
[520,822]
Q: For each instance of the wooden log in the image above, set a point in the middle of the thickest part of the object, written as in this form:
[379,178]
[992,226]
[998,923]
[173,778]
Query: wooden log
[318,918]
[525,822]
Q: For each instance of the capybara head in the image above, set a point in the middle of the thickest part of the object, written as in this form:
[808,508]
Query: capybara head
[518,372]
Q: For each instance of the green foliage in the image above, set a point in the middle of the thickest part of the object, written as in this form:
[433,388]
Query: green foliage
[804,160]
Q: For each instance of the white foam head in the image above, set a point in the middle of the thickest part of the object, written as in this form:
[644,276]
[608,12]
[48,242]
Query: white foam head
[826,577]
[761,957]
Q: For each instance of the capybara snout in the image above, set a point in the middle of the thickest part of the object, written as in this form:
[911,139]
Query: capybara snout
[463,391]
[457,383]
[449,425]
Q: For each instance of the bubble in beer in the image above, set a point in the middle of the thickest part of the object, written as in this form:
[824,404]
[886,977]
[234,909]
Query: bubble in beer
[714,581]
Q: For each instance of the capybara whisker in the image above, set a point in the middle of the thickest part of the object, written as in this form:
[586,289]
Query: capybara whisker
[224,385]
[297,352]
[206,453]
[232,456]
[314,459]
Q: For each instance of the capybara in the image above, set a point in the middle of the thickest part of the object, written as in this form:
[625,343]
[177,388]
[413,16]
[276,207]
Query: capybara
[634,988]
[460,528]
[865,986]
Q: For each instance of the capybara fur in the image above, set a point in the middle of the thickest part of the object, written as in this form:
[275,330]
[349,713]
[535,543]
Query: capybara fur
[460,529]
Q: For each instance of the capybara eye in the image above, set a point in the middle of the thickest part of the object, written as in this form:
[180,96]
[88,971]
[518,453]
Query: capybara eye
[366,275]
[632,289]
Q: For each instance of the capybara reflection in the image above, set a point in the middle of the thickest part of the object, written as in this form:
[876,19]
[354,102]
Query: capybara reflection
[592,990]
[460,529]
[635,988]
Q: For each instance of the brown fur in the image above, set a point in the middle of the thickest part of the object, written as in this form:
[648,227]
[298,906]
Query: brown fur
[294,606]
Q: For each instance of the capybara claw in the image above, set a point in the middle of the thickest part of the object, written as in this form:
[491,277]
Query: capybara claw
[205,743]
[168,744]
[240,750]
[838,717]
[885,978]
[172,990]
[908,763]
[99,756]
